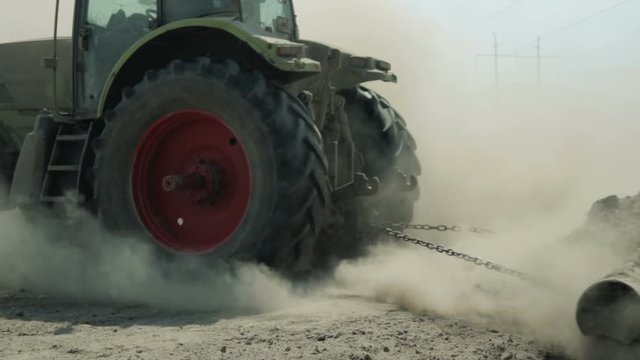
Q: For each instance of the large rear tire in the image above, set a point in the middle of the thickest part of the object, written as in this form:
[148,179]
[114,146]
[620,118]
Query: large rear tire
[208,159]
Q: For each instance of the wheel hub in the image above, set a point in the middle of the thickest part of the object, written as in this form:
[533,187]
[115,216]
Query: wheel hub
[203,183]
[191,181]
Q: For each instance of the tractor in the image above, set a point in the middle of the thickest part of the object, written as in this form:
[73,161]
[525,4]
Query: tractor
[208,127]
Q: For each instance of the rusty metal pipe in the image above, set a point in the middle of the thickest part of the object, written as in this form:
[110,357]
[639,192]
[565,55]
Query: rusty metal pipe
[611,307]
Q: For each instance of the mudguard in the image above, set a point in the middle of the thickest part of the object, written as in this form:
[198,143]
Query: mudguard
[269,48]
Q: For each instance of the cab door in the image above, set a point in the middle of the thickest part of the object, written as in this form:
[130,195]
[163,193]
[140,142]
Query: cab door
[104,32]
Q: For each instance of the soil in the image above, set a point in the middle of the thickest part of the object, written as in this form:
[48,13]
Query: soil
[340,324]
[331,327]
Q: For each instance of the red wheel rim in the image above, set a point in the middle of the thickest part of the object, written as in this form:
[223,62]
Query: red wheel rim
[191,181]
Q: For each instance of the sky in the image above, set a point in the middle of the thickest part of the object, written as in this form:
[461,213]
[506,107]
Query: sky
[513,147]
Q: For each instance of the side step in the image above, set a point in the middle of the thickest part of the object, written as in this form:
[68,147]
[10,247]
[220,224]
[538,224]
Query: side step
[65,177]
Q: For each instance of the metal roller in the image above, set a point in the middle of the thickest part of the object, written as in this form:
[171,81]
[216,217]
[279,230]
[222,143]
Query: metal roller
[610,308]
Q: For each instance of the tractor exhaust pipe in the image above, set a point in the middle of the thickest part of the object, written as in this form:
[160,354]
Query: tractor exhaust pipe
[610,308]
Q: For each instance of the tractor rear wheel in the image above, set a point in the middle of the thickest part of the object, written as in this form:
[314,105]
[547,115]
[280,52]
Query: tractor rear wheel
[205,158]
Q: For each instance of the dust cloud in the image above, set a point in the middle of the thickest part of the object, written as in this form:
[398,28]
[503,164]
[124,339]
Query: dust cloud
[525,160]
[422,281]
[84,263]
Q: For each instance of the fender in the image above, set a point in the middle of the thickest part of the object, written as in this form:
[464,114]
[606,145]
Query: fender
[284,55]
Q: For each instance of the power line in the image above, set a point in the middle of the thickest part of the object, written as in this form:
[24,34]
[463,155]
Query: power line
[498,13]
[574,24]
[517,56]
[582,21]
[497,55]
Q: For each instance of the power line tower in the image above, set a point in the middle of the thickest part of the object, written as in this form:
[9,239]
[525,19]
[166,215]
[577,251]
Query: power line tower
[497,56]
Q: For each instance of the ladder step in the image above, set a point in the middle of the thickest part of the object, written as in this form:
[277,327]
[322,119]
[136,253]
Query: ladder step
[63,168]
[73,137]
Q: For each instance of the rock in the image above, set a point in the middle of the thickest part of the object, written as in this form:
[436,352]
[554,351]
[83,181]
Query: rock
[64,330]
[385,349]
[365,356]
[604,207]
[524,356]
[288,348]
[321,338]
[223,349]
[317,350]
[507,356]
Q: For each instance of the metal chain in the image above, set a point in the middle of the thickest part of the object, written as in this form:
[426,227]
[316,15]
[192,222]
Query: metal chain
[450,252]
[441,228]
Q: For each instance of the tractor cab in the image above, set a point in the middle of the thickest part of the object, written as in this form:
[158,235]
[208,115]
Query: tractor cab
[270,17]
[105,30]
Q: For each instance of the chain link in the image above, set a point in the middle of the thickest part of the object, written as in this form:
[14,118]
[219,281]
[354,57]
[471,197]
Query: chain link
[450,252]
[441,228]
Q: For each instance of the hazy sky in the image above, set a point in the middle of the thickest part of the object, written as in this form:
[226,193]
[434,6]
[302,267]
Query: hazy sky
[476,20]
[604,42]
[574,140]
[521,151]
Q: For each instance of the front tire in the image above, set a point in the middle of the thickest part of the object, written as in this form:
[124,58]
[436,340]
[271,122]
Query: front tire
[388,152]
[208,159]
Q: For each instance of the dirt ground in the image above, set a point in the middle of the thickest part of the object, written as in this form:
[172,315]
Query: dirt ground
[333,327]
[400,302]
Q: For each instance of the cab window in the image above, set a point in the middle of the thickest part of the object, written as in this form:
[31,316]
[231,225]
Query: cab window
[274,17]
[110,28]
[175,10]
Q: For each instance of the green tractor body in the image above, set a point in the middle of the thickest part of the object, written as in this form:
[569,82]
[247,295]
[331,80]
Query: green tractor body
[208,126]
